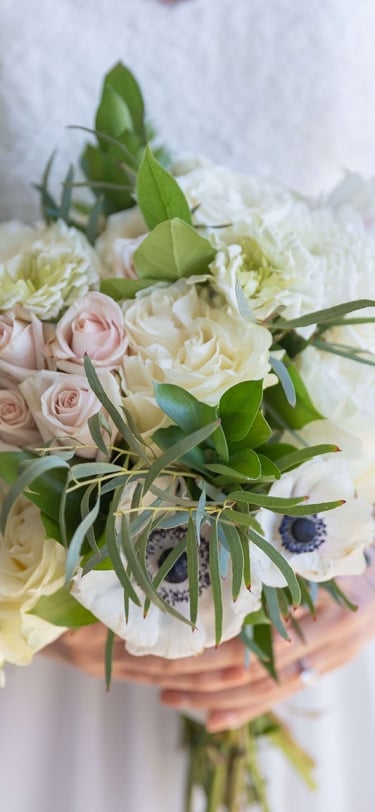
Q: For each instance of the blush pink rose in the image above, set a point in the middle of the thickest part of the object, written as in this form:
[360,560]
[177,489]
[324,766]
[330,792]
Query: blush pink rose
[94,325]
[21,345]
[61,405]
[17,427]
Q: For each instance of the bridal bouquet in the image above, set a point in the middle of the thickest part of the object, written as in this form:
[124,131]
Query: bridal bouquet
[186,403]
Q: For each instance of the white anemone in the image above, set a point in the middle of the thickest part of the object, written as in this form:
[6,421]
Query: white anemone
[324,545]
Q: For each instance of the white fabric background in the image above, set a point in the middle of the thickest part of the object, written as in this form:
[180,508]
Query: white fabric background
[277,87]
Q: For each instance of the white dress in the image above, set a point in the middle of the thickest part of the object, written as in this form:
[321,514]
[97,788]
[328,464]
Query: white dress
[277,87]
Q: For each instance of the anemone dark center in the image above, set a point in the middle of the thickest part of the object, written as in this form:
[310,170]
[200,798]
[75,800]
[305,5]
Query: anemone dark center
[179,572]
[302,534]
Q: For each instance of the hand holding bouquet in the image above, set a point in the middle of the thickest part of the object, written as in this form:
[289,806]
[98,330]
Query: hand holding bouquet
[174,399]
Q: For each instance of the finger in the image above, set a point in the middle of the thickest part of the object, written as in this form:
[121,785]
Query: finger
[209,682]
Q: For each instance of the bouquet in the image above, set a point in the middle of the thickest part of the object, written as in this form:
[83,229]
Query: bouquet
[186,389]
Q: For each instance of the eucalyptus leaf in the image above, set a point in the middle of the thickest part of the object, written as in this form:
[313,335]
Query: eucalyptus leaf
[286,380]
[326,316]
[216,582]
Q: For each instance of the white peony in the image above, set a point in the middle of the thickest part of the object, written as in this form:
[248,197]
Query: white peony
[324,545]
[31,565]
[47,272]
[177,336]
[342,389]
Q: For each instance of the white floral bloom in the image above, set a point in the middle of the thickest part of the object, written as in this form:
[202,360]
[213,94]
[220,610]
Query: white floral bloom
[342,389]
[94,324]
[62,404]
[324,545]
[17,427]
[21,346]
[357,193]
[31,565]
[47,272]
[358,453]
[176,336]
[276,272]
[160,633]
[124,231]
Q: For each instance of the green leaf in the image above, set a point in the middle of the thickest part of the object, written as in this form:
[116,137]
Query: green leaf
[329,314]
[92,227]
[336,349]
[275,503]
[171,435]
[300,455]
[280,562]
[193,569]
[258,434]
[120,289]
[66,197]
[177,451]
[113,551]
[338,595]
[272,603]
[189,413]
[62,609]
[108,658]
[171,251]
[244,466]
[238,408]
[234,545]
[32,470]
[113,115]
[286,381]
[293,417]
[126,86]
[216,582]
[158,194]
[120,424]
[78,538]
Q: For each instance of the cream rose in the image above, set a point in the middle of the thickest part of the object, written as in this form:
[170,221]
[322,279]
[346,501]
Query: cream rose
[177,336]
[31,565]
[61,405]
[21,345]
[17,427]
[48,272]
[92,325]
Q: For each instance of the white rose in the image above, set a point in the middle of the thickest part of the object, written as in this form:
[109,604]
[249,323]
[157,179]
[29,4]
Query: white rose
[159,633]
[21,345]
[48,272]
[94,325]
[17,427]
[324,545]
[124,231]
[61,405]
[178,337]
[31,565]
